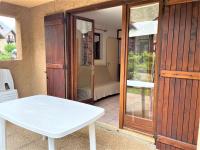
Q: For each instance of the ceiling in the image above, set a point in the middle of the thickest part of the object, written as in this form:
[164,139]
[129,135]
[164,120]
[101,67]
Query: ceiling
[109,17]
[26,3]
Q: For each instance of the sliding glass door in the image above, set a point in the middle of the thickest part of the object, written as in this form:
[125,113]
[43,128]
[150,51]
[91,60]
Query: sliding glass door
[84,62]
[142,26]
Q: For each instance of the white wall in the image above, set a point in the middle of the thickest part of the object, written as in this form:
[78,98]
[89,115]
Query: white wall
[104,36]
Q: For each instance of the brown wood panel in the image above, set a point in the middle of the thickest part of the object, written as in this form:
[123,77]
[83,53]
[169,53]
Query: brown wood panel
[197,68]
[55,82]
[170,37]
[176,38]
[165,24]
[173,2]
[170,109]
[170,83]
[187,110]
[187,36]
[136,123]
[193,36]
[178,96]
[55,55]
[181,38]
[55,66]
[123,55]
[176,143]
[180,74]
[193,105]
[157,68]
[196,127]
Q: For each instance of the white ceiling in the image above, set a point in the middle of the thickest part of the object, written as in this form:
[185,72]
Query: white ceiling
[109,17]
[26,3]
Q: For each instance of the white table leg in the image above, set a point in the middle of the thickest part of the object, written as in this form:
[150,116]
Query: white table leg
[92,136]
[2,134]
[51,144]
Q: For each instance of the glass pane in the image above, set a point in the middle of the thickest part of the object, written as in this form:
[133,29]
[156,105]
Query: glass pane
[8,39]
[143,26]
[84,46]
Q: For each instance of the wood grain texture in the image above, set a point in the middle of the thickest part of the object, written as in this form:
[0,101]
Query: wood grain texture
[176,143]
[55,55]
[178,96]
[123,59]
[180,74]
[173,2]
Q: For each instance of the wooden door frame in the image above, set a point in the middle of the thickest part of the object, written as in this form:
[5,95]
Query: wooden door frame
[124,60]
[75,57]
[123,55]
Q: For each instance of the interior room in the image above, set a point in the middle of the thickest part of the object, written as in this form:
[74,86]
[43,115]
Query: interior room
[107,28]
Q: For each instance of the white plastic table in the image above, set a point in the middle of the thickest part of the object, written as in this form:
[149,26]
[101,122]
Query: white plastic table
[49,116]
[143,85]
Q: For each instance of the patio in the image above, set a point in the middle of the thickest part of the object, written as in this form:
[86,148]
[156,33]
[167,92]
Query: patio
[107,139]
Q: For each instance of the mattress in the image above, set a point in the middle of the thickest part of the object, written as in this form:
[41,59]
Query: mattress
[100,91]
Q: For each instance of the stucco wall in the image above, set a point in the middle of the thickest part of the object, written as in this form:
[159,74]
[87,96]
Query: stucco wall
[21,69]
[38,39]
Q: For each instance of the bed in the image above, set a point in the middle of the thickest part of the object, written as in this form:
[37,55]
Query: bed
[103,84]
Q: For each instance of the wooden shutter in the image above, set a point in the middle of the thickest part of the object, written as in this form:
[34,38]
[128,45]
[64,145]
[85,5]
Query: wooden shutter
[55,55]
[178,100]
[173,2]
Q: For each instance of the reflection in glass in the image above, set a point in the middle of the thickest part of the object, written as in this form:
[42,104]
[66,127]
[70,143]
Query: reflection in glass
[141,60]
[84,46]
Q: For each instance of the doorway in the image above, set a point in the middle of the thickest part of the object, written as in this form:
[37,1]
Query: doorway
[110,60]
[97,60]
[136,36]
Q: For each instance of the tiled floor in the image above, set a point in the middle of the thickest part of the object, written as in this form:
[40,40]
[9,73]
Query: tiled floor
[134,107]
[111,106]
[20,139]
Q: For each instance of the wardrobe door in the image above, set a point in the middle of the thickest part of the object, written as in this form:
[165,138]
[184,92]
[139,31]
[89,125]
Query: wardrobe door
[55,55]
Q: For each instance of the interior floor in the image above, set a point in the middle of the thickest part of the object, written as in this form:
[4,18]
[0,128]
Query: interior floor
[134,107]
[111,106]
[21,139]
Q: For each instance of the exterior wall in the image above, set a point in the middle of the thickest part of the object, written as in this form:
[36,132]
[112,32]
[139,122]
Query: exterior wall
[38,39]
[20,69]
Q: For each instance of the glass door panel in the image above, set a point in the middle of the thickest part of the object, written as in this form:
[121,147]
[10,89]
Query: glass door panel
[84,49]
[143,25]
